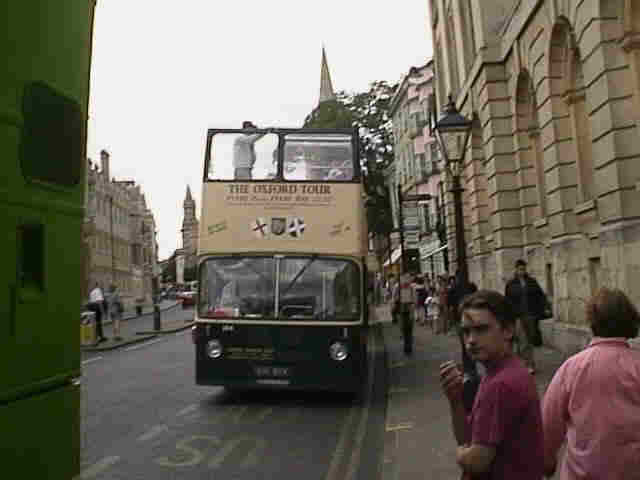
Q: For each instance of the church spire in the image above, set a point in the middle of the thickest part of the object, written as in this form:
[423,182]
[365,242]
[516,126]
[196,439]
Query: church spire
[326,88]
[188,197]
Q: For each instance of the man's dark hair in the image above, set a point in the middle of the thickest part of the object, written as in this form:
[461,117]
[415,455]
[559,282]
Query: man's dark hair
[494,302]
[610,313]
[520,263]
[248,124]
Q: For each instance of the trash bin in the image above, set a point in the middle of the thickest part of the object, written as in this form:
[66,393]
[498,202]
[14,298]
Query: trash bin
[87,328]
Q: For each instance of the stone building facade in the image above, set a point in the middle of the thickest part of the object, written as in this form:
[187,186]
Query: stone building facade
[552,170]
[417,168]
[119,235]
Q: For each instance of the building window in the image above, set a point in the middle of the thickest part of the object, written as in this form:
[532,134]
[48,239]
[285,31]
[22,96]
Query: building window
[452,57]
[468,34]
[426,215]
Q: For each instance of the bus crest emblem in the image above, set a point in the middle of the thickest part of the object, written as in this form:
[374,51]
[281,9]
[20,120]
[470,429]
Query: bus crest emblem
[296,227]
[259,228]
[278,225]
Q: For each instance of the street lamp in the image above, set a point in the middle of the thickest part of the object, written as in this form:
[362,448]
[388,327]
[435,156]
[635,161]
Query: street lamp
[452,133]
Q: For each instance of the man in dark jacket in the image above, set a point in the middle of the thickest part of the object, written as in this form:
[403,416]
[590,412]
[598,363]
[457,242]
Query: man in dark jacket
[528,299]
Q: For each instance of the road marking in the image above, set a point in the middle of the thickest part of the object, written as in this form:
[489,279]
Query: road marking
[252,458]
[189,456]
[399,426]
[341,447]
[135,347]
[264,413]
[90,360]
[187,410]
[362,426]
[153,432]
[398,390]
[339,452]
[98,467]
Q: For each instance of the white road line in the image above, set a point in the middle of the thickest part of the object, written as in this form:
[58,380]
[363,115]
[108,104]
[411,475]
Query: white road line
[399,426]
[341,447]
[398,390]
[94,359]
[362,426]
[153,432]
[187,410]
[135,347]
[339,452]
[98,467]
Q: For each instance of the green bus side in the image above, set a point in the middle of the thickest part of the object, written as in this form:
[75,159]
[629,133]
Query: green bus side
[44,87]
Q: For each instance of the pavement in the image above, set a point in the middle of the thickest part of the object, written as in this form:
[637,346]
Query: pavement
[419,442]
[135,329]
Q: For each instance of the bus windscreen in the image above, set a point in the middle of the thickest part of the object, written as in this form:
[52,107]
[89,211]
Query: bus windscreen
[288,289]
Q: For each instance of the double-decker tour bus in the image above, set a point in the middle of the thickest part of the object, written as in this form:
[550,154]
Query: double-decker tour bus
[282,261]
[44,90]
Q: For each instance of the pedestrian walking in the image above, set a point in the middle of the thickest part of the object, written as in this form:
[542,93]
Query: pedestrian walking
[395,300]
[443,300]
[421,296]
[96,305]
[526,295]
[501,438]
[407,302]
[593,400]
[432,306]
[115,311]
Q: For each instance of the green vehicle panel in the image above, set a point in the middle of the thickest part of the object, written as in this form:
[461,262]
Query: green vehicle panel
[44,89]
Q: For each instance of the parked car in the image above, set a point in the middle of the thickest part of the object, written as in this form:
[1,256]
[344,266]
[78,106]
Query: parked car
[188,298]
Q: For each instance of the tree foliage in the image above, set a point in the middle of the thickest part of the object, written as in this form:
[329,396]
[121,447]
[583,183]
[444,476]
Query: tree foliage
[369,113]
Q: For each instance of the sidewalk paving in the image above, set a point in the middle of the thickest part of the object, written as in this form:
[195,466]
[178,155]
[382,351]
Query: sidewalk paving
[419,442]
[135,329]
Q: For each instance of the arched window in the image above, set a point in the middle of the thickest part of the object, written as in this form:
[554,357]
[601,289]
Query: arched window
[468,34]
[530,150]
[452,56]
[576,98]
[567,80]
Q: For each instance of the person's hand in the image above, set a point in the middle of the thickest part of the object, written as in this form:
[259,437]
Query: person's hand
[451,381]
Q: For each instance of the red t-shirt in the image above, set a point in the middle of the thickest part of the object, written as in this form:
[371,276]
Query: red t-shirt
[507,415]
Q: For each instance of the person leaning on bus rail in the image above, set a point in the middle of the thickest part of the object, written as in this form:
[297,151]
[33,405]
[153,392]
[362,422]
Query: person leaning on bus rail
[593,400]
[244,155]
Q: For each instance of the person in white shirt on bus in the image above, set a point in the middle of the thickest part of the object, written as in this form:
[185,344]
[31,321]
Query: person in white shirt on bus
[244,155]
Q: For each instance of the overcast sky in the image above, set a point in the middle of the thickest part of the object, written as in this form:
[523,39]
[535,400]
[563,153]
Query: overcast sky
[163,72]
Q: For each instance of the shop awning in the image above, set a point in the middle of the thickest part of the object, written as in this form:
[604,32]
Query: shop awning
[395,255]
[433,252]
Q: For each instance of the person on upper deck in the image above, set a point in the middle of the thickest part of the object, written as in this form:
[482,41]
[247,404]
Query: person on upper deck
[244,155]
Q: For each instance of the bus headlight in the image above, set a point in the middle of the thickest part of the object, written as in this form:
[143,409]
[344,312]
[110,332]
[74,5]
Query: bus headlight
[338,351]
[214,349]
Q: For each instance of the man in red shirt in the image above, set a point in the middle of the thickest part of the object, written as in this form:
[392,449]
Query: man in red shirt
[501,438]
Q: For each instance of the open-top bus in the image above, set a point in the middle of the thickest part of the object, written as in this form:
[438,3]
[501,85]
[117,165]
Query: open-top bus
[282,270]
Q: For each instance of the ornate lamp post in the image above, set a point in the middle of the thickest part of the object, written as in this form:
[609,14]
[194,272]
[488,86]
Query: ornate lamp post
[452,133]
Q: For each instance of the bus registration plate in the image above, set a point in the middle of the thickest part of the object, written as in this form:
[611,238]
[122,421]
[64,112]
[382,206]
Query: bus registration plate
[273,372]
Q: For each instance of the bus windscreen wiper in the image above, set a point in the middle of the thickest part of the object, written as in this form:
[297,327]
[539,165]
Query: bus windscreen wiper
[298,275]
